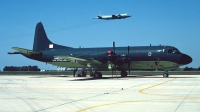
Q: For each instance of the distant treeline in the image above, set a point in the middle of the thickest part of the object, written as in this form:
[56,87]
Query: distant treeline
[21,68]
[191,69]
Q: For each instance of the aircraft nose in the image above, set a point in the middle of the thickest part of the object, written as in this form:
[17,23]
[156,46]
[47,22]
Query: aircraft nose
[185,59]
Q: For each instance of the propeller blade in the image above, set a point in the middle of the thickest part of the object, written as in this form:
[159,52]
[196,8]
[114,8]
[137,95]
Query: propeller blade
[129,62]
[128,50]
[129,67]
[114,52]
[114,47]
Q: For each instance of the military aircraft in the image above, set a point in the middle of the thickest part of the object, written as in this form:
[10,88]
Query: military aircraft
[111,17]
[104,58]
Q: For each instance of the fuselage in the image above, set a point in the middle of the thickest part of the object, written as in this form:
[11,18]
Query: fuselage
[142,57]
[103,58]
[110,17]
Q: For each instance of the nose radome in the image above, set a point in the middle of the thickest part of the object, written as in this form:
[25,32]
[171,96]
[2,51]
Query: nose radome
[185,59]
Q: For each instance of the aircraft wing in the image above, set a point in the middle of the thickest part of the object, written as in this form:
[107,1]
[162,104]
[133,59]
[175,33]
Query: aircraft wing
[24,51]
[79,60]
[114,16]
[119,15]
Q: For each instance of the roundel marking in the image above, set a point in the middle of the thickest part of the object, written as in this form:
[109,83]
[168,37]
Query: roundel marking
[149,54]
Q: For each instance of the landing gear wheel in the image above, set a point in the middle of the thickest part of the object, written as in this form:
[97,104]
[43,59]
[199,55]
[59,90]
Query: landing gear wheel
[123,74]
[100,75]
[165,75]
[97,75]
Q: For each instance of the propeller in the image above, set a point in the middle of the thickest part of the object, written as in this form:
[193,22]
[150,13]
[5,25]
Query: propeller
[119,59]
[126,59]
[112,57]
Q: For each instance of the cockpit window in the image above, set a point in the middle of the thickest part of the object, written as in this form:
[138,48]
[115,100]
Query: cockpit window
[169,50]
[173,50]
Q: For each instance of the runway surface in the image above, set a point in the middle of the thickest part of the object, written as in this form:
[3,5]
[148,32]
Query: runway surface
[179,93]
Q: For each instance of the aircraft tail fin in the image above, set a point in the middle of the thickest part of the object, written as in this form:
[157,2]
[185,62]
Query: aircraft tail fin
[100,13]
[41,41]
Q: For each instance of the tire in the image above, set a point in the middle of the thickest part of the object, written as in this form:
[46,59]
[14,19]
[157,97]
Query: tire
[165,75]
[123,74]
[98,75]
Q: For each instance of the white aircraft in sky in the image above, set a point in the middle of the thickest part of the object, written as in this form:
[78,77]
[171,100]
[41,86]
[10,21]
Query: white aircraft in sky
[111,17]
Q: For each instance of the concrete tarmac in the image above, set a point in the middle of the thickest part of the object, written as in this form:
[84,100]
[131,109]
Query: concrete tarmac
[178,93]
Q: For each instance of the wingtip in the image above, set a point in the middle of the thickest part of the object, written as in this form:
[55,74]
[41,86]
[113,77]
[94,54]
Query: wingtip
[14,53]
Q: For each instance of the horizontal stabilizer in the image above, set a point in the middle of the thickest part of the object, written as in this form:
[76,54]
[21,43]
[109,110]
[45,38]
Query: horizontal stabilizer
[25,51]
[14,53]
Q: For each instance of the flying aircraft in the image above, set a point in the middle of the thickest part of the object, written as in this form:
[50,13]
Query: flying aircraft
[111,17]
[104,58]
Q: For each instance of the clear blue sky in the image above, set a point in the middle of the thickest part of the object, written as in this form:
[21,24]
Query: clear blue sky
[70,23]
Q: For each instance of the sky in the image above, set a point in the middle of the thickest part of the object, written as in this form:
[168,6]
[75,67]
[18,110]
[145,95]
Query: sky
[70,23]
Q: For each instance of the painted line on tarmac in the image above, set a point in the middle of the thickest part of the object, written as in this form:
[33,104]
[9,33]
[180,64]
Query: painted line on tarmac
[171,95]
[131,101]
[114,103]
[141,91]
[150,87]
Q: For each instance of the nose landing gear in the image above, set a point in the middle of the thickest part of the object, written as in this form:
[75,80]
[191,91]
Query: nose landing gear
[166,74]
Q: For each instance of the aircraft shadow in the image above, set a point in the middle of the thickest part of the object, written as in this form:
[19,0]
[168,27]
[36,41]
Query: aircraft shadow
[47,76]
[91,78]
[128,77]
[109,77]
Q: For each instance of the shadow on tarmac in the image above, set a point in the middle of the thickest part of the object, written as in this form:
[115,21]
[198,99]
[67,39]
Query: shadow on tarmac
[128,77]
[47,76]
[110,77]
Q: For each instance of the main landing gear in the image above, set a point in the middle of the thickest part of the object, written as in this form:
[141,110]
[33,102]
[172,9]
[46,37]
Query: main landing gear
[98,74]
[123,73]
[95,74]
